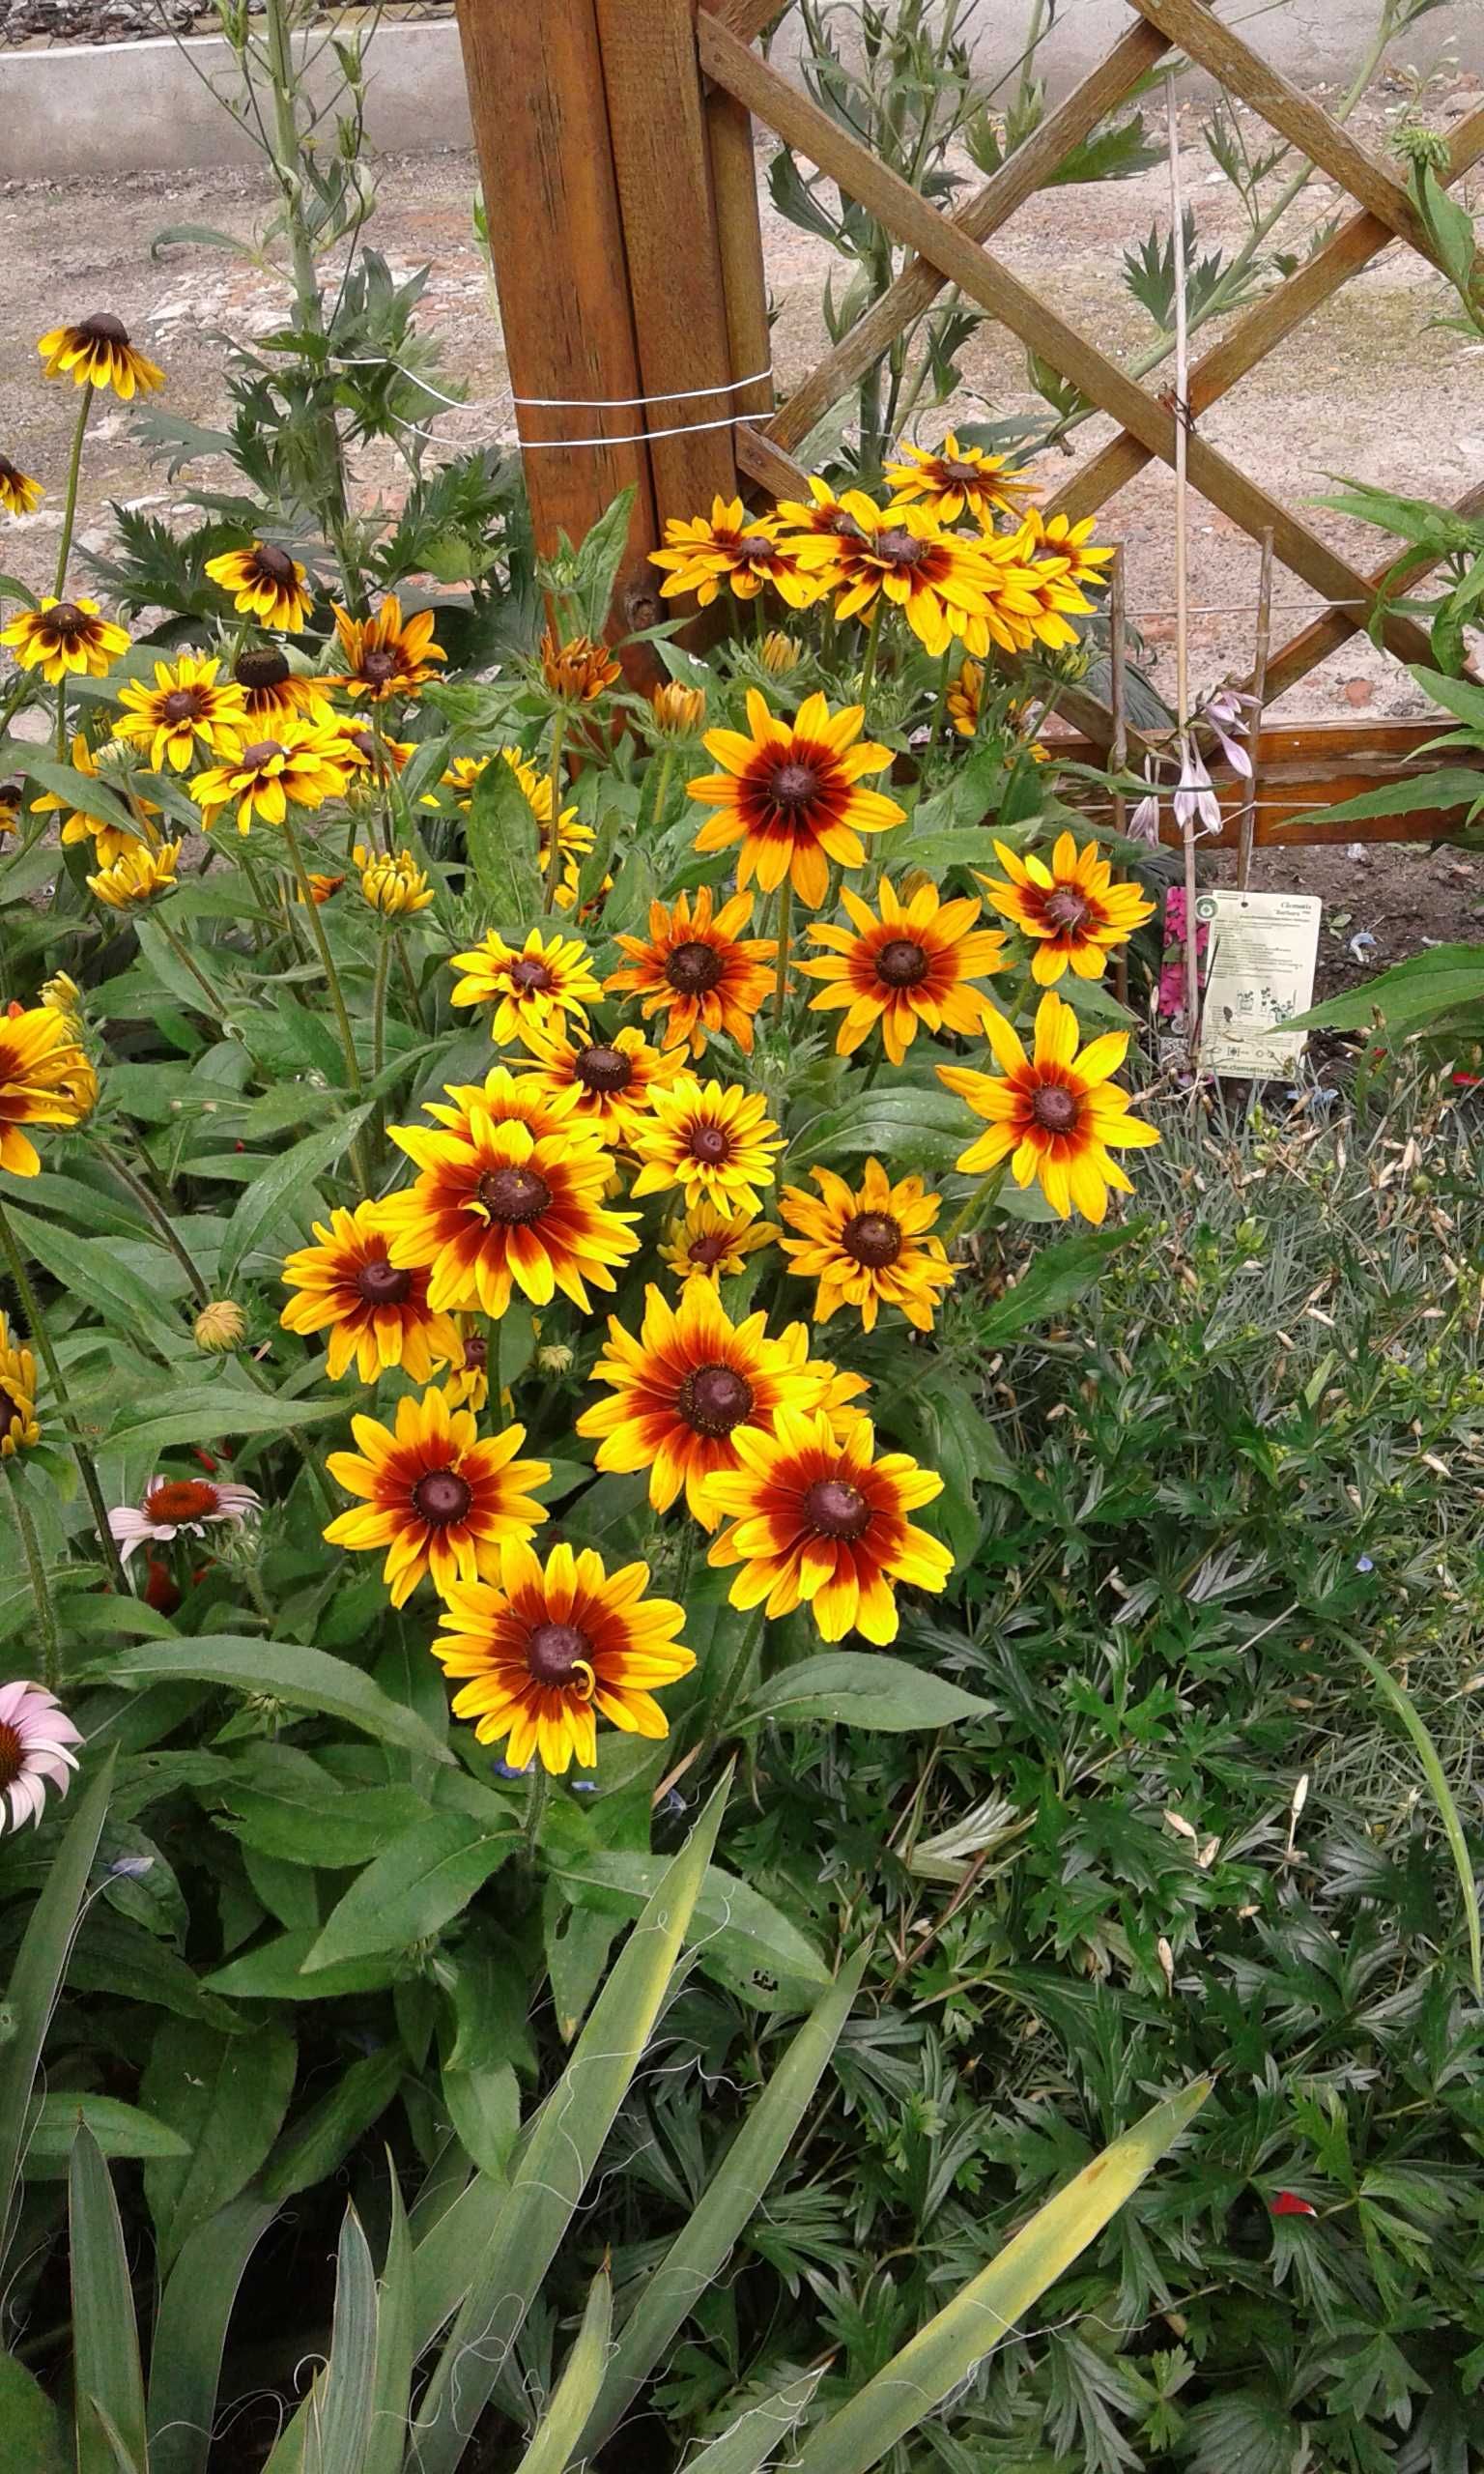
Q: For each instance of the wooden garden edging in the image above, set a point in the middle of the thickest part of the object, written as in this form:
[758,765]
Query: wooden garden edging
[616,140]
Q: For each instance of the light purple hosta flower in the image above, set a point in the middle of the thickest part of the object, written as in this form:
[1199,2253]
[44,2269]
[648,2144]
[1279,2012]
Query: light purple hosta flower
[1143,825]
[1225,712]
[35,1741]
[1195,801]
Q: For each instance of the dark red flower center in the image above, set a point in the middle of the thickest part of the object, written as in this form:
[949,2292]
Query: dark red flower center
[10,1413]
[899,548]
[842,523]
[476,1354]
[961,476]
[873,1239]
[383,1283]
[65,619]
[101,327]
[513,1195]
[363,742]
[441,1497]
[793,786]
[694,967]
[183,704]
[1065,907]
[1055,1107]
[13,1754]
[527,973]
[260,666]
[604,1069]
[262,752]
[709,1142]
[379,665]
[177,1499]
[273,563]
[714,1399]
[555,1652]
[902,963]
[8,471]
[710,1250]
[834,1509]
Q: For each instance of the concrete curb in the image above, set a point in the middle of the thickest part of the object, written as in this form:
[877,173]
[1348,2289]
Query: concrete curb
[95,110]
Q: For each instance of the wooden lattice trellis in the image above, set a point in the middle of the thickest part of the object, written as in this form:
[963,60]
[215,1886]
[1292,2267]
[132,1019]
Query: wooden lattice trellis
[617,145]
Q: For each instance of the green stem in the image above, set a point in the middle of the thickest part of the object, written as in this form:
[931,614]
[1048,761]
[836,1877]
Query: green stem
[316,1474]
[157,1217]
[784,941]
[873,640]
[940,708]
[553,855]
[61,739]
[45,1613]
[183,955]
[70,502]
[332,983]
[492,1354]
[536,1806]
[378,1026]
[36,1329]
[662,774]
[413,992]
[979,1202]
[730,1689]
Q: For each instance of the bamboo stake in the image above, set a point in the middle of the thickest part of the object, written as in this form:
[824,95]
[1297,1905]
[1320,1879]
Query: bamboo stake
[1117,706]
[1247,827]
[1182,556]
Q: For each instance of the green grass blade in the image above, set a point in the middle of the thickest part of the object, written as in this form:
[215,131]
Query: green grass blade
[747,2445]
[36,1979]
[698,2254]
[1407,1711]
[190,2334]
[109,2383]
[394,2357]
[330,2433]
[952,2344]
[558,2433]
[552,2171]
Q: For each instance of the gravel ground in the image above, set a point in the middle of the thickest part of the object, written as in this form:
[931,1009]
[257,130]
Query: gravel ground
[1372,388]
[26,24]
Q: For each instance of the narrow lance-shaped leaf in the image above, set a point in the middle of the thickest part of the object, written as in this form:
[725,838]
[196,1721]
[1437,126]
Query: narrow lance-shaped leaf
[107,2382]
[761,2431]
[305,1678]
[557,2435]
[394,2354]
[1433,1771]
[191,2333]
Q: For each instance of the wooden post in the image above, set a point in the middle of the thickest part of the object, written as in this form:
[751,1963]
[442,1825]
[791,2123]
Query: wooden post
[536,96]
[662,165]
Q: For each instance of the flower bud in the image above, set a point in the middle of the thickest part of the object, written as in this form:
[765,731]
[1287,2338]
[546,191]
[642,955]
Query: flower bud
[679,711]
[779,653]
[555,1359]
[220,1326]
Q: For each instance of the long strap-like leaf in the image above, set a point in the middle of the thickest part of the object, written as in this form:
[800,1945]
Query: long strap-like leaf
[756,2436]
[553,2445]
[191,2333]
[1433,1771]
[107,2382]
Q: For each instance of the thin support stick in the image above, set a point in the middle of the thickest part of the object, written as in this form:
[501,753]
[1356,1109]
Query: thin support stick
[1249,824]
[1118,705]
[1183,553]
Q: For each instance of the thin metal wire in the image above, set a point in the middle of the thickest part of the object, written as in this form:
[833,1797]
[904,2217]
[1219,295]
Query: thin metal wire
[642,437]
[630,403]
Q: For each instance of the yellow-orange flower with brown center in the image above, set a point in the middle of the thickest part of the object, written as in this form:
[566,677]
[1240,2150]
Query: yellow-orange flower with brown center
[376,1312]
[718,1145]
[815,1519]
[498,1207]
[45,1080]
[95,351]
[266,584]
[65,638]
[698,969]
[577,671]
[867,1248]
[274,693]
[1055,1114]
[183,708]
[1070,908]
[19,1429]
[109,842]
[688,1385]
[548,979]
[700,556]
[612,1073]
[954,480]
[937,580]
[434,1496]
[19,495]
[301,768]
[791,794]
[713,1243]
[1057,537]
[906,964]
[386,655]
[549,1653]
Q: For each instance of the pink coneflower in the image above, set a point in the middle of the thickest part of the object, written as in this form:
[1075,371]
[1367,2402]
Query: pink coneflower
[172,1504]
[36,1736]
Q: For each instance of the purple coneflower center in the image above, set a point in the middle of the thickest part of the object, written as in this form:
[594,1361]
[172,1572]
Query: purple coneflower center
[273,563]
[604,1069]
[513,1195]
[710,1250]
[834,1509]
[872,1239]
[1055,1108]
[794,785]
[10,1412]
[962,476]
[443,1497]
[13,1754]
[714,1399]
[902,963]
[555,1652]
[476,1354]
[178,1499]
[383,1283]
[1066,908]
[694,969]
[710,1144]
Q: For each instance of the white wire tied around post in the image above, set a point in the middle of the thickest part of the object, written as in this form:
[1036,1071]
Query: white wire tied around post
[625,403]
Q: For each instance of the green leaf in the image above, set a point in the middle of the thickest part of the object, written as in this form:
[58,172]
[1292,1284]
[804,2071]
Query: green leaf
[281,1184]
[1413,996]
[589,573]
[274,1972]
[862,1688]
[559,2158]
[90,1268]
[323,2138]
[760,2433]
[204,1413]
[90,798]
[201,236]
[278,1815]
[921,1129]
[1406,1709]
[305,1678]
[698,2254]
[1460,696]
[1453,787]
[341,2425]
[190,2334]
[946,2352]
[391,2395]
[502,836]
[30,2434]
[484,2107]
[553,2448]
[413,1888]
[107,2382]
[1061,1272]
[117,2129]
[737,1925]
[36,1979]
[227,2096]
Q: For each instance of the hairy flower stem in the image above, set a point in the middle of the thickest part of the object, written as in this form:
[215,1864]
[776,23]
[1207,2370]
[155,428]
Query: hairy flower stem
[157,1217]
[662,774]
[336,992]
[45,1613]
[733,1683]
[70,502]
[384,944]
[939,708]
[535,1806]
[315,1474]
[37,1332]
[978,1203]
[553,855]
[785,940]
[183,955]
[492,1371]
[873,643]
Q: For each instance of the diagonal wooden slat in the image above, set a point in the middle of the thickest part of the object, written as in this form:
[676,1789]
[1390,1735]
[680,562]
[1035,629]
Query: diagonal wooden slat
[918,285]
[747,19]
[1257,333]
[1332,628]
[984,279]
[1296,116]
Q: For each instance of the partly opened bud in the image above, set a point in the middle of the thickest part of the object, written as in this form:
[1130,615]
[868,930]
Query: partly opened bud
[679,711]
[220,1326]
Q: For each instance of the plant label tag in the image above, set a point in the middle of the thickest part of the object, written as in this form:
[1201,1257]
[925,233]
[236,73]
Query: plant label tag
[1257,956]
